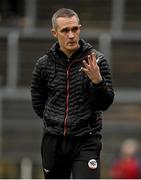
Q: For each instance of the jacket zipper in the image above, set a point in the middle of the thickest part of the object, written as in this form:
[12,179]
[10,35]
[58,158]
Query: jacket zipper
[67,103]
[68,93]
[67,96]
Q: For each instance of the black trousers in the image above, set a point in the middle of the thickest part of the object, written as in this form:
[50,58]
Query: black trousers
[75,157]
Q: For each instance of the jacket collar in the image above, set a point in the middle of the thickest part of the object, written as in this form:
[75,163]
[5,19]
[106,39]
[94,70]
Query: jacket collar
[58,54]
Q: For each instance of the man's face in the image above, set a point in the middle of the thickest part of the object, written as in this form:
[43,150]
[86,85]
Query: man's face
[67,32]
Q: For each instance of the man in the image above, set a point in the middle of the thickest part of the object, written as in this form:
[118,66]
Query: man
[70,87]
[127,164]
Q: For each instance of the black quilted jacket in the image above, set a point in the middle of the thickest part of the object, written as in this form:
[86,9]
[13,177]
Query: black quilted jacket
[65,98]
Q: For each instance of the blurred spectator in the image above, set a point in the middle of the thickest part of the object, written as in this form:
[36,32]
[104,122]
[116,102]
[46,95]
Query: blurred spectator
[127,166]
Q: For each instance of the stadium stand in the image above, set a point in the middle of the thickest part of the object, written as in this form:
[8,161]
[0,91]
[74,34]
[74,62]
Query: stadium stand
[94,19]
[132,15]
[126,63]
[113,27]
[3,45]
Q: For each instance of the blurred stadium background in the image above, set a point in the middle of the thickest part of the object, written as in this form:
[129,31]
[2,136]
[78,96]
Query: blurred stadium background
[113,27]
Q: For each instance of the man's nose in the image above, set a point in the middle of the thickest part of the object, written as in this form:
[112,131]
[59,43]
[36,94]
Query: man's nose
[70,34]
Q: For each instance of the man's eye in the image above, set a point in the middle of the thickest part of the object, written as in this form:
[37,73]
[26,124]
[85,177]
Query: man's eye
[75,29]
[65,30]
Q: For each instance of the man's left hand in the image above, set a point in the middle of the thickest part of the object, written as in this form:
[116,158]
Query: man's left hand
[91,69]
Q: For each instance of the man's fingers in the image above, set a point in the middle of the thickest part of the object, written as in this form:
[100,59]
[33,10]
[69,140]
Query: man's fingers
[91,64]
[84,70]
[90,60]
[93,56]
[85,64]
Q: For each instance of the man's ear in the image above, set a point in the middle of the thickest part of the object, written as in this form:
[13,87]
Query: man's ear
[54,33]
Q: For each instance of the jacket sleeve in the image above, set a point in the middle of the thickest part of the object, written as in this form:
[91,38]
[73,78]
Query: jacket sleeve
[103,93]
[39,88]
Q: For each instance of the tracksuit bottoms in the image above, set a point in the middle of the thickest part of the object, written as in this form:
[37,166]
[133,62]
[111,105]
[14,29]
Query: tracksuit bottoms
[75,157]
